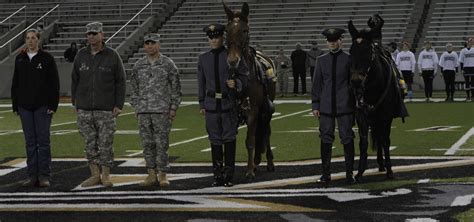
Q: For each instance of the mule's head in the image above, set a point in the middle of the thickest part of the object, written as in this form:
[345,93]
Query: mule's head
[362,54]
[237,33]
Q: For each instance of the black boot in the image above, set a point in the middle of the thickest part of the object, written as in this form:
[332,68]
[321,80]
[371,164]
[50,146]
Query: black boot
[349,159]
[229,153]
[326,152]
[217,161]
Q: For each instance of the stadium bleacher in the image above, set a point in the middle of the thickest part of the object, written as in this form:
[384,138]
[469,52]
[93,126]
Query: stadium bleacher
[273,25]
[451,22]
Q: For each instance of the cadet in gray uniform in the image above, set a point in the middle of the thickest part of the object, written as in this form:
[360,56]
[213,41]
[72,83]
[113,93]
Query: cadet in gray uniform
[155,96]
[217,101]
[98,94]
[332,100]
[284,64]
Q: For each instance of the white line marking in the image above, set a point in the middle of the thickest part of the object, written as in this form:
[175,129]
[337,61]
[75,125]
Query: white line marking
[392,148]
[462,200]
[241,127]
[455,147]
[423,181]
[206,150]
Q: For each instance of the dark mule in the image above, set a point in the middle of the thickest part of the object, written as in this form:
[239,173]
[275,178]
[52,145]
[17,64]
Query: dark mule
[260,92]
[374,79]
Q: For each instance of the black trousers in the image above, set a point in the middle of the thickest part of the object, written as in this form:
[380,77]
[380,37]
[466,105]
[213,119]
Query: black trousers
[428,76]
[299,73]
[449,77]
[469,83]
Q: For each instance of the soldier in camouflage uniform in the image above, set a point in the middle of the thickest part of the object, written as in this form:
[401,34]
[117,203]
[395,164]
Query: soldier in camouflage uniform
[156,95]
[98,94]
[284,64]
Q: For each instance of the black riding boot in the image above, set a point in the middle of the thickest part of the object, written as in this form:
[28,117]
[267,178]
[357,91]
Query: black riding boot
[229,153]
[349,159]
[217,161]
[326,152]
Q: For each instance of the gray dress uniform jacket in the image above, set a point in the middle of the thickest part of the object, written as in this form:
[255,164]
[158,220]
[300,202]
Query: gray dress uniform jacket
[331,93]
[207,88]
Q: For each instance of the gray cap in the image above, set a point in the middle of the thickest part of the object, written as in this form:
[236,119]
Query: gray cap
[155,37]
[94,27]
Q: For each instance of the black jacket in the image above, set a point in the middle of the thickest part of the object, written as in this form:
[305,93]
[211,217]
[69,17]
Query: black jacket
[98,81]
[36,82]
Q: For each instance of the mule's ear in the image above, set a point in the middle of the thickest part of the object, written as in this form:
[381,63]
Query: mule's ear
[245,10]
[352,29]
[228,11]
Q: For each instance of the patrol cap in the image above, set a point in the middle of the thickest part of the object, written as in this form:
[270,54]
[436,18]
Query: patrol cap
[94,27]
[214,30]
[151,37]
[333,34]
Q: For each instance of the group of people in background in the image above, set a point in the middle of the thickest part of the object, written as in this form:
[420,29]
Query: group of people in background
[428,62]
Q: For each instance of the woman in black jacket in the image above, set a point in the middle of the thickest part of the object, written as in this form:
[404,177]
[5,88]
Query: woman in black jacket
[35,98]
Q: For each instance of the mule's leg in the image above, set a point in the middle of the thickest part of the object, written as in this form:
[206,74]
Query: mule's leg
[363,146]
[250,144]
[377,143]
[386,146]
[259,143]
[269,154]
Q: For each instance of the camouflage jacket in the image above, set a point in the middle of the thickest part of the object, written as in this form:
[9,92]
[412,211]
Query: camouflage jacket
[155,87]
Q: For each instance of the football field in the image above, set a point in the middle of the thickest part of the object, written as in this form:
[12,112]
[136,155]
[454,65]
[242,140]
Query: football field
[432,156]
[431,130]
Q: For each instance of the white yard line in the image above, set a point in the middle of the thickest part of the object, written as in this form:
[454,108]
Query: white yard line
[455,147]
[206,136]
[241,127]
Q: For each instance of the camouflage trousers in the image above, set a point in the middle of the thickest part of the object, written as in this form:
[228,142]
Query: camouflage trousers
[154,131]
[97,128]
[283,81]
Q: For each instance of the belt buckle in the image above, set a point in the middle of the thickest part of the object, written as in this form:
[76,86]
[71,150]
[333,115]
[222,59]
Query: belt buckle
[218,95]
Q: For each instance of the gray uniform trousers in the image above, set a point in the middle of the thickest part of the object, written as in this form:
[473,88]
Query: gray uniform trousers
[98,128]
[327,127]
[221,127]
[154,131]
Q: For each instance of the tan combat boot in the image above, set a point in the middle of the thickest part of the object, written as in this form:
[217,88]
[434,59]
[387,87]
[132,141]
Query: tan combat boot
[106,177]
[151,179]
[95,176]
[163,180]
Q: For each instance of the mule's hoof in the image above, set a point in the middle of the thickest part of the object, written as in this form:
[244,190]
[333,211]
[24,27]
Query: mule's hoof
[381,169]
[250,176]
[358,178]
[389,175]
[271,167]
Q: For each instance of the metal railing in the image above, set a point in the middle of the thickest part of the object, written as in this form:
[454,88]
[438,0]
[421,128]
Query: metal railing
[24,30]
[136,15]
[14,13]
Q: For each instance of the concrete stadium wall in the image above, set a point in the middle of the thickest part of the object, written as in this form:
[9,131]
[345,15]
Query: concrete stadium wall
[189,86]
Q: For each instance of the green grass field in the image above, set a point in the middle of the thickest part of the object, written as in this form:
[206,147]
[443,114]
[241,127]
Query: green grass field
[295,135]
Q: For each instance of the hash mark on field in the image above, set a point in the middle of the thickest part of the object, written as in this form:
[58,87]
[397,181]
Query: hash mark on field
[455,147]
